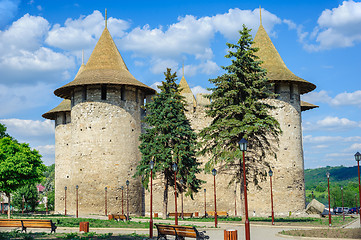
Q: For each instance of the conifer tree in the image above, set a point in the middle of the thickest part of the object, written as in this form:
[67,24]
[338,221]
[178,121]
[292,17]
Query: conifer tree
[169,139]
[239,109]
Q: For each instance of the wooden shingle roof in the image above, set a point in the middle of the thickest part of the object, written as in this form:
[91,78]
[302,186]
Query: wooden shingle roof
[307,106]
[105,66]
[64,106]
[276,69]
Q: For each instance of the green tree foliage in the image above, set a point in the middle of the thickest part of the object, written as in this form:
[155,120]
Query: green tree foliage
[239,109]
[49,184]
[31,196]
[19,166]
[3,131]
[316,181]
[169,139]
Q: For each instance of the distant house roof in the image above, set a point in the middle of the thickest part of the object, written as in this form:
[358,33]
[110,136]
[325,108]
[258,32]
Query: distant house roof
[40,188]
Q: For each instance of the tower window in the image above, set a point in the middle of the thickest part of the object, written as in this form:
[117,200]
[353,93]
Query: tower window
[122,93]
[64,118]
[104,92]
[84,93]
[72,98]
[292,92]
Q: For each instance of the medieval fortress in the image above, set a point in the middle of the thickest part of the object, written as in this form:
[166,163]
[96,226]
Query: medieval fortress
[97,129]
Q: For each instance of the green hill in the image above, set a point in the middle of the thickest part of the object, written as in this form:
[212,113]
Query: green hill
[316,181]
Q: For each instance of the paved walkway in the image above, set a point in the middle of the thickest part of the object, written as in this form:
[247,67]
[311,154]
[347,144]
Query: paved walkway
[258,232]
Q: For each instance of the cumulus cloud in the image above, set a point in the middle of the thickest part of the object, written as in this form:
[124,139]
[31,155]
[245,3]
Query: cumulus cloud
[155,86]
[325,139]
[26,127]
[199,89]
[338,27]
[332,124]
[341,99]
[8,8]
[47,152]
[83,33]
[23,56]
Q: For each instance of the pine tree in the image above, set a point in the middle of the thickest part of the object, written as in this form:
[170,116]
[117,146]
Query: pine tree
[240,109]
[169,139]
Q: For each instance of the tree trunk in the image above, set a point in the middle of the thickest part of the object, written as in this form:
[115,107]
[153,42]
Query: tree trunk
[8,195]
[165,198]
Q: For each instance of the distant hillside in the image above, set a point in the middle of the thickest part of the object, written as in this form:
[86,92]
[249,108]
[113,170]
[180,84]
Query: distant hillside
[337,174]
[316,181]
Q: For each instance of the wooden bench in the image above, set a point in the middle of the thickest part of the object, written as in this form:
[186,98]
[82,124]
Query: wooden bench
[180,232]
[180,215]
[219,213]
[28,223]
[122,217]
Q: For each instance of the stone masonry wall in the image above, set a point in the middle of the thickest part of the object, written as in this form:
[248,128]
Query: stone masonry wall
[104,151]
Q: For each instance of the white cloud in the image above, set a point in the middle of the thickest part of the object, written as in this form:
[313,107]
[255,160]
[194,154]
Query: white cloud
[83,33]
[28,127]
[155,86]
[331,124]
[46,149]
[160,65]
[339,27]
[327,139]
[314,97]
[199,89]
[342,99]
[355,147]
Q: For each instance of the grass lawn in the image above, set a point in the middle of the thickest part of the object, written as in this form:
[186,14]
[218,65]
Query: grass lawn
[89,235]
[326,233]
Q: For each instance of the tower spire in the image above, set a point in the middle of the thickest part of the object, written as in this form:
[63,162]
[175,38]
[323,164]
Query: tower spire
[106,18]
[260,15]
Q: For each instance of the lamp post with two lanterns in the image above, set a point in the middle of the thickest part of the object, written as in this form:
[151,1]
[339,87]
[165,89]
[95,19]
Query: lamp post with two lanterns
[243,148]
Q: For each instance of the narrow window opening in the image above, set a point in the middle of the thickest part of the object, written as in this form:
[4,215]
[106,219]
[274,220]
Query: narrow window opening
[72,98]
[277,90]
[64,119]
[136,95]
[122,93]
[104,92]
[84,93]
[292,91]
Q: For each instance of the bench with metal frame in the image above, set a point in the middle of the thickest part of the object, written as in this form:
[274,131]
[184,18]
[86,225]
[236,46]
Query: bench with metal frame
[118,217]
[180,232]
[28,223]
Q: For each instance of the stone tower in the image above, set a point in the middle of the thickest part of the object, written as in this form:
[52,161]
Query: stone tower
[288,168]
[97,130]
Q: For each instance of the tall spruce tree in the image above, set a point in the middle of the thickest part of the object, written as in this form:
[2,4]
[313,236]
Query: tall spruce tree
[240,109]
[169,139]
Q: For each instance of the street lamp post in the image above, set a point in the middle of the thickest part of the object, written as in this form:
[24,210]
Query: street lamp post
[151,165]
[214,173]
[77,209]
[127,183]
[329,204]
[235,203]
[343,212]
[122,199]
[181,190]
[270,177]
[243,148]
[358,158]
[205,205]
[105,200]
[174,167]
[65,188]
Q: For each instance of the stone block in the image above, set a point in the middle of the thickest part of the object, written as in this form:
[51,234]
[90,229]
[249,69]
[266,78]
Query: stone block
[315,207]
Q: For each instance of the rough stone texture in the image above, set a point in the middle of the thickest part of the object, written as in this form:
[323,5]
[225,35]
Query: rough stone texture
[99,149]
[315,207]
[288,177]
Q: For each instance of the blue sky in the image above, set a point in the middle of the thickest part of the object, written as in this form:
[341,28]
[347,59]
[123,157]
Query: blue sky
[320,41]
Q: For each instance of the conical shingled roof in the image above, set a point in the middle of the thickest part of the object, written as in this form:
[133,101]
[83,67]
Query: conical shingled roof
[105,66]
[307,106]
[186,90]
[64,106]
[272,61]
